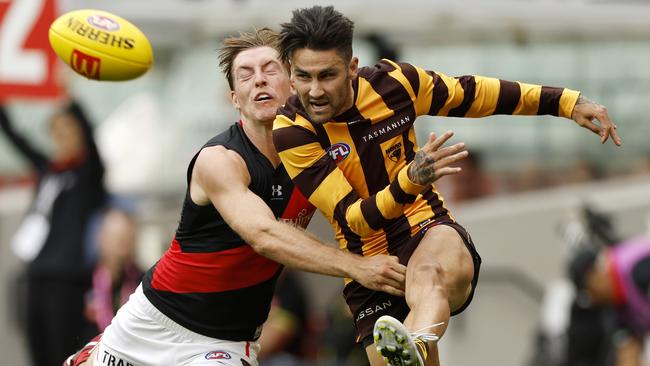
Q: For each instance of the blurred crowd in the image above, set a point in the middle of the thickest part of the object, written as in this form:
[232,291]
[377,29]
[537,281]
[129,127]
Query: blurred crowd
[478,181]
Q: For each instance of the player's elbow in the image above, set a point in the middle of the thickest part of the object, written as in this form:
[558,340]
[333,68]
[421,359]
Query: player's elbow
[260,237]
[357,222]
[360,228]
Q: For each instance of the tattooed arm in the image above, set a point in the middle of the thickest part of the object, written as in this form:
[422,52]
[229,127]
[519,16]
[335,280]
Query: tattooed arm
[433,161]
[584,113]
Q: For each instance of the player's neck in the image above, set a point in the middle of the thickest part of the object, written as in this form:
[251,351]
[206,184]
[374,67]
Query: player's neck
[349,101]
[261,135]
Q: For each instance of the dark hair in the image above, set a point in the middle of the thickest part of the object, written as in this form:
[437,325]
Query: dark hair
[317,28]
[232,46]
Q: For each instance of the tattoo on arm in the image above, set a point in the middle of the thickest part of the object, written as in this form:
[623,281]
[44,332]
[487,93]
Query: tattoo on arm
[422,171]
[583,100]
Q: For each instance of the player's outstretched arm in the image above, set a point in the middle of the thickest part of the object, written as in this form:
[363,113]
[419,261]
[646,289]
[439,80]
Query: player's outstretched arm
[246,213]
[584,114]
[479,96]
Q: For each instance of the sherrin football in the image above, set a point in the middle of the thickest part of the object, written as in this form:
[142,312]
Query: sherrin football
[100,45]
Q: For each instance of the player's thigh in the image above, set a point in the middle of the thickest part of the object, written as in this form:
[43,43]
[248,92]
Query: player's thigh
[443,249]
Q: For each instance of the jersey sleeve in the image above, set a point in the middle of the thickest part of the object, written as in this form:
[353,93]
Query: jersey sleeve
[437,94]
[323,183]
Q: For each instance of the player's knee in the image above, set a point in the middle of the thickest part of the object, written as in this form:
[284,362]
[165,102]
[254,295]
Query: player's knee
[426,280]
[428,274]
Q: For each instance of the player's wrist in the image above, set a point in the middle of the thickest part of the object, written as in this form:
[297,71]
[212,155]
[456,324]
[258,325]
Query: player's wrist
[406,181]
[354,266]
[569,101]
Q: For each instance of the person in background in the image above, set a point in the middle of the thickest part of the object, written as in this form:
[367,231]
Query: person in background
[116,275]
[618,277]
[68,192]
[601,313]
[285,332]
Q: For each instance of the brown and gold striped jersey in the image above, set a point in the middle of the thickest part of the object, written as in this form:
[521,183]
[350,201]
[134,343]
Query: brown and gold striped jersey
[353,168]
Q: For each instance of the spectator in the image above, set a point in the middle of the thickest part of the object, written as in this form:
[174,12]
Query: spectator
[285,331]
[51,238]
[609,309]
[116,276]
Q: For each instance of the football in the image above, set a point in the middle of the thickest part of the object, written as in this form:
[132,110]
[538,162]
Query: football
[100,45]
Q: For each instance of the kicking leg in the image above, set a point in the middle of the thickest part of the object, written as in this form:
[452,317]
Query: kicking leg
[438,280]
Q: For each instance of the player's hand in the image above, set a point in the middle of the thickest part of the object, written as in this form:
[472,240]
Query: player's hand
[381,273]
[584,114]
[434,161]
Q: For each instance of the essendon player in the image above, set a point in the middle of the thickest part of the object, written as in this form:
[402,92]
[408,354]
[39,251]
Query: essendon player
[206,299]
[347,140]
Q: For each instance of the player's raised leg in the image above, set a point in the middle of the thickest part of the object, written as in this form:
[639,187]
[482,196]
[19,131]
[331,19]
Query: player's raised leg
[438,282]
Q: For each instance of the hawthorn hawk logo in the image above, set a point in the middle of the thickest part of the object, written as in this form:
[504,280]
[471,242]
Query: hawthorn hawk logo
[394,152]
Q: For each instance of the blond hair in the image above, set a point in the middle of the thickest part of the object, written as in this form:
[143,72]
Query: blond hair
[232,46]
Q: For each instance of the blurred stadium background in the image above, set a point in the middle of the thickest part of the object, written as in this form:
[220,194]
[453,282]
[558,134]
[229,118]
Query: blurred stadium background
[533,171]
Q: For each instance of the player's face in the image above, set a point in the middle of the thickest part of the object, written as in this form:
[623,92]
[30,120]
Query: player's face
[67,137]
[323,81]
[261,84]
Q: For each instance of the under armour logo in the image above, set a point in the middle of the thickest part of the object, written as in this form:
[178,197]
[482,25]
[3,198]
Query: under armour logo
[276,191]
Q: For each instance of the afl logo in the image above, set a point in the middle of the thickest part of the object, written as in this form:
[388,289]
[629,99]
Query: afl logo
[339,151]
[217,355]
[102,22]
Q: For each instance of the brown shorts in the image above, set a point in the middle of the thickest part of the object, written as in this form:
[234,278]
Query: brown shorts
[368,305]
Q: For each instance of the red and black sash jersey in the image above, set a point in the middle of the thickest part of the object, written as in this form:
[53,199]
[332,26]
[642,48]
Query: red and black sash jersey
[209,280]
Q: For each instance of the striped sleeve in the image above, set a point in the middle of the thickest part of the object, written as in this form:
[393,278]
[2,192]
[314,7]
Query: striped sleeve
[323,183]
[479,96]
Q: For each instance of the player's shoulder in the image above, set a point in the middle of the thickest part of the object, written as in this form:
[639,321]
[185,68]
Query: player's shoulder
[223,152]
[382,68]
[233,135]
[291,108]
[218,156]
[294,116]
[219,164]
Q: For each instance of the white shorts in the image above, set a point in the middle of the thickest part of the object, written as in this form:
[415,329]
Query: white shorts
[140,335]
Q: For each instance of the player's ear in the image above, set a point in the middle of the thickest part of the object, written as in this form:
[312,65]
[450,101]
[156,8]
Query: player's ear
[233,99]
[354,67]
[292,87]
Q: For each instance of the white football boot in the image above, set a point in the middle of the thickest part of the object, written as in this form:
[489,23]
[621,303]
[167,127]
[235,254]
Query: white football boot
[398,346]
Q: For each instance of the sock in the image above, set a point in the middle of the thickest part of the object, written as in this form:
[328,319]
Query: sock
[422,348]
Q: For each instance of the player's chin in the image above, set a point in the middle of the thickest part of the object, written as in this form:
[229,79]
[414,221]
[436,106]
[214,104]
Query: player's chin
[319,118]
[266,115]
